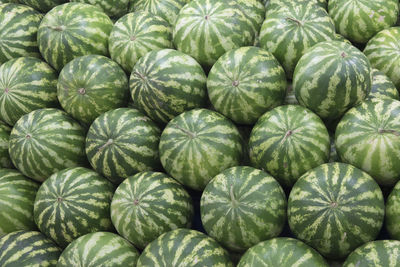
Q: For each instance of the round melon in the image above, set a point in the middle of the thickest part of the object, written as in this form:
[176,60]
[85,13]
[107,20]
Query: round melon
[282,251]
[288,141]
[382,86]
[26,84]
[43,6]
[332,77]
[71,203]
[149,204]
[113,8]
[184,247]
[166,83]
[5,161]
[368,137]
[136,34]
[243,206]
[245,83]
[100,249]
[91,85]
[46,141]
[199,144]
[393,213]
[270,3]
[17,195]
[72,30]
[335,208]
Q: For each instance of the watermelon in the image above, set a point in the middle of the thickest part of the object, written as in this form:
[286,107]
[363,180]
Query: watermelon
[382,52]
[368,137]
[197,145]
[393,213]
[71,203]
[254,12]
[378,253]
[382,86]
[245,83]
[184,247]
[91,85]
[332,77]
[167,82]
[136,34]
[121,143]
[17,195]
[288,141]
[291,27]
[5,161]
[46,141]
[27,249]
[18,30]
[321,3]
[99,249]
[113,8]
[27,84]
[362,19]
[282,251]
[243,206]
[206,29]
[43,6]
[72,30]
[149,204]
[335,208]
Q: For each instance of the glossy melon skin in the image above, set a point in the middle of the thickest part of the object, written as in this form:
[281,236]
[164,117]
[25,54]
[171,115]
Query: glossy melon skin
[43,6]
[393,213]
[113,8]
[5,160]
[382,86]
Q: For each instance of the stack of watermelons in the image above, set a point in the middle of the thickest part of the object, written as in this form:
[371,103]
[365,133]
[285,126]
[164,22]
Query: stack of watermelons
[199,133]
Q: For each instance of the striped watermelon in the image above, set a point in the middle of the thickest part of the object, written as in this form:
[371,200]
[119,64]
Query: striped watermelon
[17,195]
[71,203]
[18,30]
[243,206]
[43,6]
[206,29]
[291,27]
[245,83]
[393,212]
[362,19]
[335,208]
[368,137]
[382,86]
[382,52]
[331,78]
[254,12]
[91,85]
[136,34]
[45,141]
[113,8]
[72,30]
[282,251]
[288,141]
[321,3]
[5,161]
[27,84]
[99,249]
[184,247]
[378,253]
[167,82]
[27,249]
[149,204]
[121,143]
[197,145]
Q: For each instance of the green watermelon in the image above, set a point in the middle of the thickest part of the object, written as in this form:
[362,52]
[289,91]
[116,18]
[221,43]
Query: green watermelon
[91,85]
[382,86]
[362,19]
[254,12]
[100,249]
[368,137]
[149,204]
[321,3]
[28,249]
[5,161]
[71,203]
[288,141]
[243,206]
[43,6]
[245,83]
[197,145]
[136,34]
[121,143]
[113,8]
[72,30]
[335,208]
[291,27]
[332,77]
[184,247]
[27,84]
[18,30]
[166,83]
[46,141]
[17,195]
[393,212]
[282,251]
[378,253]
